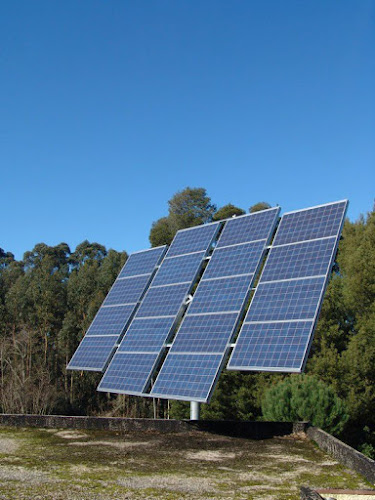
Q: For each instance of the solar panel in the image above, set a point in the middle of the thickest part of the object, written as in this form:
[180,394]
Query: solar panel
[187,376]
[234,260]
[128,372]
[134,362]
[127,290]
[220,294]
[105,331]
[178,270]
[196,357]
[278,328]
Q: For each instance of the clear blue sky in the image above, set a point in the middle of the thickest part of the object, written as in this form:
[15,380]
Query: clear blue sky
[107,108]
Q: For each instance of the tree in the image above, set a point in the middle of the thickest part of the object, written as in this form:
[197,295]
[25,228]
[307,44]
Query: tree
[305,397]
[87,251]
[161,232]
[187,208]
[258,207]
[227,211]
[190,207]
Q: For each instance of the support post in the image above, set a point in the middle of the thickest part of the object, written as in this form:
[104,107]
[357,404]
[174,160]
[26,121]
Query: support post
[194,410]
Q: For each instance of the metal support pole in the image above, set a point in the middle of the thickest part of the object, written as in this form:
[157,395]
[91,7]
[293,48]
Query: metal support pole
[194,410]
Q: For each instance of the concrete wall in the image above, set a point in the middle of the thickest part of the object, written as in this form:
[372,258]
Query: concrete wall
[344,453]
[253,430]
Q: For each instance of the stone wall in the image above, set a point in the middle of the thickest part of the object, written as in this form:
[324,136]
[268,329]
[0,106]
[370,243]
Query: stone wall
[344,453]
[253,430]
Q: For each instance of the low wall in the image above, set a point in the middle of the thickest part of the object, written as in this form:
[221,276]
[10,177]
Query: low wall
[344,453]
[253,430]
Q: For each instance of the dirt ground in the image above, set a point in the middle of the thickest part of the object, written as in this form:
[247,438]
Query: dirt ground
[68,464]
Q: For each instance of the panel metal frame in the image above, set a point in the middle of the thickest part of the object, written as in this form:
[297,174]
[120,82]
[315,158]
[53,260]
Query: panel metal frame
[327,275]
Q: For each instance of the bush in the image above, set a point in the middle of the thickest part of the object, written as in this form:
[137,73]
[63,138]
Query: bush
[305,397]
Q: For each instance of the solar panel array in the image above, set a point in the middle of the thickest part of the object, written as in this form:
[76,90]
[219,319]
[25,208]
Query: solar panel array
[144,306]
[277,331]
[114,315]
[133,364]
[199,348]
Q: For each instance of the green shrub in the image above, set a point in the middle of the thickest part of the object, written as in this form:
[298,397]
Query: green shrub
[305,397]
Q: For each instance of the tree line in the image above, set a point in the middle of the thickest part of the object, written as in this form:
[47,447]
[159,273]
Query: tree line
[49,298]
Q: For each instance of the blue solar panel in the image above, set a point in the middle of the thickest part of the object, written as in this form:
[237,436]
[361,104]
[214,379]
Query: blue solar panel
[127,291]
[233,260]
[205,333]
[273,345]
[116,312]
[158,313]
[193,239]
[299,260]
[128,372]
[285,300]
[93,352]
[146,334]
[143,262]
[199,348]
[163,300]
[257,225]
[312,223]
[188,375]
[278,328]
[179,269]
[220,295]
[110,320]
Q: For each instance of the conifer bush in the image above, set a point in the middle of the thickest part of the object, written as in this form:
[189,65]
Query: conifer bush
[305,397]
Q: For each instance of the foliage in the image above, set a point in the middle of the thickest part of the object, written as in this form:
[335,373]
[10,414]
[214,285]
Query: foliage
[305,397]
[187,208]
[190,207]
[227,211]
[258,207]
[161,232]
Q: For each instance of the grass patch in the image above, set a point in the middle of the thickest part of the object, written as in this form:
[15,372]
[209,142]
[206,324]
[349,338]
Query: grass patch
[54,464]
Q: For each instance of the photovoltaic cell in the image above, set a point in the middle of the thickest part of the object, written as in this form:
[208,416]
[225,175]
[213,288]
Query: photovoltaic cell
[147,334]
[158,314]
[300,260]
[128,372]
[318,222]
[220,295]
[93,352]
[204,334]
[127,291]
[234,260]
[110,320]
[192,240]
[179,270]
[114,315]
[277,331]
[237,230]
[276,345]
[188,375]
[285,300]
[199,348]
[143,262]
[164,300]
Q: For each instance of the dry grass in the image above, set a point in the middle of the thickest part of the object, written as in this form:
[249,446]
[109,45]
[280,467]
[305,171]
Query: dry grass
[54,464]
